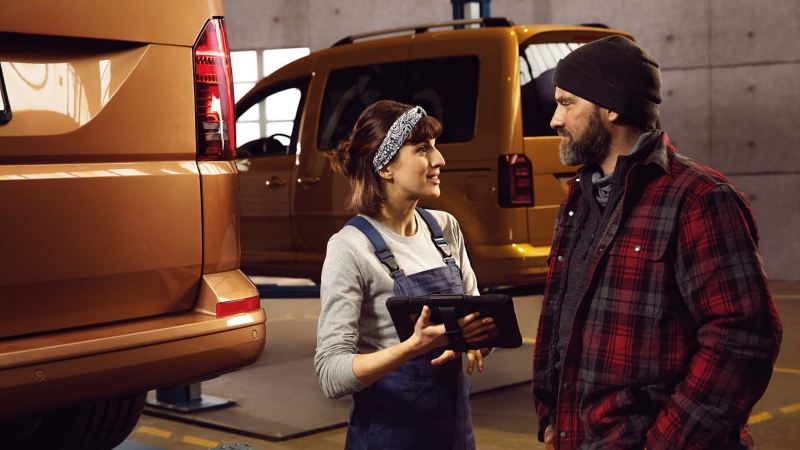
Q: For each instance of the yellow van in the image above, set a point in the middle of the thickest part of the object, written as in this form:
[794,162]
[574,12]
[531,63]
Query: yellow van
[119,231]
[490,86]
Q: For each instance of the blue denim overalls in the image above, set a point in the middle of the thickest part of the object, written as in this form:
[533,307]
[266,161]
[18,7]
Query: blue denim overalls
[417,406]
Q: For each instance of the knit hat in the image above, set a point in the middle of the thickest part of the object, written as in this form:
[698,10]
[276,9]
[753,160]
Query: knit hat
[614,73]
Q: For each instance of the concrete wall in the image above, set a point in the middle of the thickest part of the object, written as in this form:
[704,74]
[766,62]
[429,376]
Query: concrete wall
[730,74]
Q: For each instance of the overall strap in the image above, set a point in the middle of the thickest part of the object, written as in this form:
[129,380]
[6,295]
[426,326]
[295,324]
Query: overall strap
[437,235]
[381,249]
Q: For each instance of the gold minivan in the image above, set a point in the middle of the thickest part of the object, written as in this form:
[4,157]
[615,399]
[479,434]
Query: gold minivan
[119,233]
[491,87]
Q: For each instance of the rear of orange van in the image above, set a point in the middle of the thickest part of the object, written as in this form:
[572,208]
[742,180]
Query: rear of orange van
[119,233]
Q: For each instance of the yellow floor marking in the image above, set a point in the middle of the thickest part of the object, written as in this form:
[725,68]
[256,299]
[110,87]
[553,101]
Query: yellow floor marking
[784,370]
[199,441]
[790,408]
[154,431]
[760,417]
[528,340]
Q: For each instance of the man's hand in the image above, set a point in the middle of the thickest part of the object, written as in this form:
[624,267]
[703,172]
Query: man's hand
[549,438]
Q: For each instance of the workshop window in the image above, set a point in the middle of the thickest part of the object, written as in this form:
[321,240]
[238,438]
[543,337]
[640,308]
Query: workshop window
[250,66]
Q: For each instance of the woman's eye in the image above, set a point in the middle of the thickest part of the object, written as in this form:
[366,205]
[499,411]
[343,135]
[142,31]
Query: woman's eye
[422,149]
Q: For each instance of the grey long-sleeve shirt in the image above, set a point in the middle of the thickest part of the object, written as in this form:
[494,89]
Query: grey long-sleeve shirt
[354,289]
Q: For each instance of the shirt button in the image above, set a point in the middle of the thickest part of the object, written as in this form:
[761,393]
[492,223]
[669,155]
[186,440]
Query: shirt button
[563,434]
[637,248]
[571,213]
[560,258]
[566,386]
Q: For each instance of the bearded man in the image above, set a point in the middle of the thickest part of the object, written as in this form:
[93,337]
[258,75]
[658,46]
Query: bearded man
[658,329]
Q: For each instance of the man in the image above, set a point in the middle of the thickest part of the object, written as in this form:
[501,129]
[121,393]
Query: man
[658,329]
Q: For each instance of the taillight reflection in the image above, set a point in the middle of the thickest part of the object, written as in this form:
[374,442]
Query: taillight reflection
[514,181]
[213,86]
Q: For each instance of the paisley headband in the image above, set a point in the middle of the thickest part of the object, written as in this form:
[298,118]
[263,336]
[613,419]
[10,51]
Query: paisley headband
[397,135]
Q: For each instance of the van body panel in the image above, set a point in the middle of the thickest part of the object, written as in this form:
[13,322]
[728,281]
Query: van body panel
[173,22]
[220,202]
[101,175]
[148,262]
[109,219]
[266,211]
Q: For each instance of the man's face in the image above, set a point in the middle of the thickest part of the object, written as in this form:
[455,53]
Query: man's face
[584,137]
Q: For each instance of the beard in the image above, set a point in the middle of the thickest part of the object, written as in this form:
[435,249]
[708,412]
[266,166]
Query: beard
[591,147]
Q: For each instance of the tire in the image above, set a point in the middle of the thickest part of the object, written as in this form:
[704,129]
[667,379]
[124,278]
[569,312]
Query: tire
[101,425]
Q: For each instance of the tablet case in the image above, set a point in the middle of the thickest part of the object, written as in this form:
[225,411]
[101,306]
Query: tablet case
[448,308]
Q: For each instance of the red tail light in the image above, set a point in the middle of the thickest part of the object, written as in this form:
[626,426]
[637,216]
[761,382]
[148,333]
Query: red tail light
[514,181]
[238,306]
[213,92]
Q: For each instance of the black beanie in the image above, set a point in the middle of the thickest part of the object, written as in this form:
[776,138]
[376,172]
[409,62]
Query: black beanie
[614,73]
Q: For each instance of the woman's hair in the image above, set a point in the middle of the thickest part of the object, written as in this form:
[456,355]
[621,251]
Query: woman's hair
[353,156]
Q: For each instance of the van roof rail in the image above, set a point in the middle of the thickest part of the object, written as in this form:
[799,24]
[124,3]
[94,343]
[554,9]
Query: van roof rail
[485,21]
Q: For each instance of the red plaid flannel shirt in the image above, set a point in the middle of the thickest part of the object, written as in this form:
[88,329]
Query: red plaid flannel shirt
[676,333]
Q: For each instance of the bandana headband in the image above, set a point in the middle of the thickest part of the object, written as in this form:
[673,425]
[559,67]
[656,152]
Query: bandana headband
[397,135]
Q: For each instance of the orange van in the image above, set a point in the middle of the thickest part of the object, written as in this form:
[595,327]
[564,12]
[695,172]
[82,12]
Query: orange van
[119,233]
[491,87]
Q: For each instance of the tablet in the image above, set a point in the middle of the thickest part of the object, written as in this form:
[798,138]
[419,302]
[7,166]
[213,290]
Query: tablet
[448,308]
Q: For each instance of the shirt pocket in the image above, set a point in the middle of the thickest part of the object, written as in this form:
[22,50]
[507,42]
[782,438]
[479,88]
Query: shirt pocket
[636,276]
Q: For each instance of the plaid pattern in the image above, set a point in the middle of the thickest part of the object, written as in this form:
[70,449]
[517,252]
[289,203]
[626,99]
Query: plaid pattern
[676,333]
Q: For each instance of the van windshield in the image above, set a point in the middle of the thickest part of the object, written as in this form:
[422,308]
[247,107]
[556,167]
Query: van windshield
[537,62]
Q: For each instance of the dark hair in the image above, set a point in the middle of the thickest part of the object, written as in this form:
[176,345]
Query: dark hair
[353,156]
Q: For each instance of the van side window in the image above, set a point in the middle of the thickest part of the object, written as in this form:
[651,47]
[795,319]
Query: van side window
[348,92]
[447,88]
[537,62]
[268,126]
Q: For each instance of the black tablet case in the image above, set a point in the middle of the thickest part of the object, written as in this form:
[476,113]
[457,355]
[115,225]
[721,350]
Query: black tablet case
[498,306]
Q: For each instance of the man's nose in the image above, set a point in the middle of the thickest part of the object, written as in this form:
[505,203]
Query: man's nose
[557,121]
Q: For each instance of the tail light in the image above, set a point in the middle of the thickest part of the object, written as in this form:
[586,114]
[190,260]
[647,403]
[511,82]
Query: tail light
[213,91]
[230,308]
[514,181]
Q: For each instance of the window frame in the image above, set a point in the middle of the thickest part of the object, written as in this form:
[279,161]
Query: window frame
[302,84]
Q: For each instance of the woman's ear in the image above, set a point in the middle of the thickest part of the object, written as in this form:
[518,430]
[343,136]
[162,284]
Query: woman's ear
[386,173]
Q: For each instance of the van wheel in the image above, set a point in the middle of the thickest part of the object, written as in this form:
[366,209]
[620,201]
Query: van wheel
[101,425]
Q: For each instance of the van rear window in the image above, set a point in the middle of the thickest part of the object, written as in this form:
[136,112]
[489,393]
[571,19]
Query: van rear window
[537,62]
[446,87]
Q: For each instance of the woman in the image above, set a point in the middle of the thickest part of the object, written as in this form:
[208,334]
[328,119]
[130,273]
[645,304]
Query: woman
[406,395]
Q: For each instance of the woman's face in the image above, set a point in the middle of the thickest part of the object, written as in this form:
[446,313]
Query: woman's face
[414,173]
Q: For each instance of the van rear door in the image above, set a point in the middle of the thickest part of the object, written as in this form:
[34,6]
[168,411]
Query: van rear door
[99,187]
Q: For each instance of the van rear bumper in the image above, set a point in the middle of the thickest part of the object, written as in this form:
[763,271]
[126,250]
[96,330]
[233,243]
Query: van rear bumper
[509,264]
[45,372]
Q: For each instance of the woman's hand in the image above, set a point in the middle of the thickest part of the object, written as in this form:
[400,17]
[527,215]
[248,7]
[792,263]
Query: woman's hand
[549,438]
[428,336]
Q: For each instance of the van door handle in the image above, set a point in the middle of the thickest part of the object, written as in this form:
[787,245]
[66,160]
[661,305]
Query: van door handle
[308,180]
[276,182]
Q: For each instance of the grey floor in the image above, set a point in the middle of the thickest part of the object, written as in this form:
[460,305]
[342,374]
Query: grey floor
[279,396]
